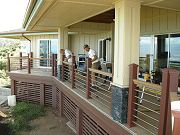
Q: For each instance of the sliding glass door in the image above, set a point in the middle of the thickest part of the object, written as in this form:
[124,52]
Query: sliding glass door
[47,47]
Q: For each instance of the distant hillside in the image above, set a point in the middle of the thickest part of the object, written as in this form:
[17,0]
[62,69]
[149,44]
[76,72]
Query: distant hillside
[7,46]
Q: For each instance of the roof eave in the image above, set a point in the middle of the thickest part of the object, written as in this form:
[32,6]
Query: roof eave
[34,6]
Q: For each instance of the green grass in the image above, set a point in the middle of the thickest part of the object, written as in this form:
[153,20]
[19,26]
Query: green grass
[22,114]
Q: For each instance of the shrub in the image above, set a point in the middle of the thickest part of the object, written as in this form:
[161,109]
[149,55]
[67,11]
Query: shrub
[22,114]
[2,65]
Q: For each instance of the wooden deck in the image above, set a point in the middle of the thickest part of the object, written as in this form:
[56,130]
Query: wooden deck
[44,72]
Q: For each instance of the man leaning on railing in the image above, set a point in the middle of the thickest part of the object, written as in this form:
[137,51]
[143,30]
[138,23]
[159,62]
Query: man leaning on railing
[68,54]
[95,62]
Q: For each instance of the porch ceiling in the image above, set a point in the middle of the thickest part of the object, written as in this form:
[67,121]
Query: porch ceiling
[168,4]
[52,14]
[67,12]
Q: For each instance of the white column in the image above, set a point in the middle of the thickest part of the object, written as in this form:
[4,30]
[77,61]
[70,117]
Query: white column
[63,40]
[127,33]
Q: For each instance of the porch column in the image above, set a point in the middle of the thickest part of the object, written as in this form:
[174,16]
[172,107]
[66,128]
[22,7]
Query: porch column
[63,41]
[126,52]
[63,44]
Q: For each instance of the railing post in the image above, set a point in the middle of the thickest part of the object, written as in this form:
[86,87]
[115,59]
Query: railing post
[29,65]
[79,114]
[8,63]
[13,87]
[164,102]
[55,65]
[31,56]
[73,72]
[62,72]
[52,64]
[132,93]
[20,60]
[173,87]
[88,78]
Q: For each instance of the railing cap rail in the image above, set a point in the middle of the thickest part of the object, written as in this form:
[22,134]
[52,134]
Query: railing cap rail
[148,84]
[101,72]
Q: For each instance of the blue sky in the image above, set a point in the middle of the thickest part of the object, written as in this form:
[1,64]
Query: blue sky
[12,14]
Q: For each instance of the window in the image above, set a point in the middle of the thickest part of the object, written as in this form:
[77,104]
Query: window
[102,49]
[47,47]
[174,55]
[146,53]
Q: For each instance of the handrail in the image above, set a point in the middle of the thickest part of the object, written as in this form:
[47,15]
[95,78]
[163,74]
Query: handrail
[101,72]
[67,63]
[40,59]
[148,84]
[26,57]
[23,57]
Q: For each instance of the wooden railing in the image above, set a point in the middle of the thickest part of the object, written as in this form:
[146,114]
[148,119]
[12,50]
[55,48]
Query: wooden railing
[28,63]
[95,84]
[149,104]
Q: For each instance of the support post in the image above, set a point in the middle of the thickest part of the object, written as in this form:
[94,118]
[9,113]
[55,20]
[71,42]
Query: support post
[8,63]
[173,87]
[20,60]
[52,59]
[62,73]
[31,56]
[55,65]
[132,93]
[164,102]
[73,71]
[29,65]
[79,114]
[13,87]
[42,94]
[88,78]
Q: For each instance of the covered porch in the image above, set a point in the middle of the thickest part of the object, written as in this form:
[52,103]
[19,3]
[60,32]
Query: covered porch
[113,29]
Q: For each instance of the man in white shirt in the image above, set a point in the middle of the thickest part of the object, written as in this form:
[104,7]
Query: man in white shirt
[95,61]
[68,54]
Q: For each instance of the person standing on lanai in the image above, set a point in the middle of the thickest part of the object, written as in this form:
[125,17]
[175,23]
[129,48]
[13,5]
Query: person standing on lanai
[95,62]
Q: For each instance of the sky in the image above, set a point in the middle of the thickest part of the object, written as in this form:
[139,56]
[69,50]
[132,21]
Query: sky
[12,14]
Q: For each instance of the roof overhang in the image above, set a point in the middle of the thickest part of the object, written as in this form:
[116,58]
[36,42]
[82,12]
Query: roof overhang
[17,34]
[49,15]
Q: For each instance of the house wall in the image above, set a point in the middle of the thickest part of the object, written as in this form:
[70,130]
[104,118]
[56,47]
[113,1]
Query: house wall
[35,42]
[159,21]
[90,34]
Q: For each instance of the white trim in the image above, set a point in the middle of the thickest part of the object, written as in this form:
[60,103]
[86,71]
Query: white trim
[121,86]
[34,12]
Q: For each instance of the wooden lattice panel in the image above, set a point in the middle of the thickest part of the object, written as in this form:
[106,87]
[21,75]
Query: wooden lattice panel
[90,127]
[48,95]
[28,91]
[69,110]
[21,91]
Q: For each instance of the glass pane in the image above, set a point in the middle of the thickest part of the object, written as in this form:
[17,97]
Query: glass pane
[44,52]
[54,46]
[161,46]
[174,60]
[146,54]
